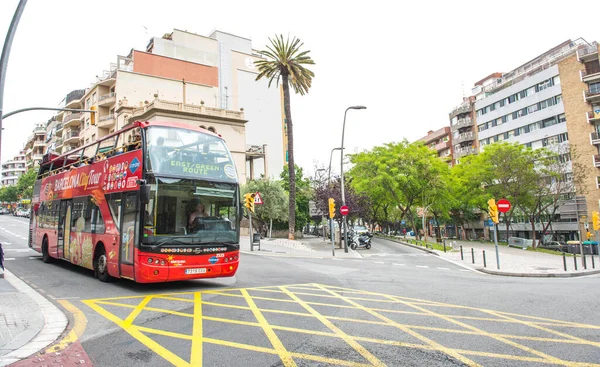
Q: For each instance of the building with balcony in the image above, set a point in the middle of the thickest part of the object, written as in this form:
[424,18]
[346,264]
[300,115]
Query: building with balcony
[440,141]
[463,132]
[13,169]
[35,146]
[551,101]
[215,71]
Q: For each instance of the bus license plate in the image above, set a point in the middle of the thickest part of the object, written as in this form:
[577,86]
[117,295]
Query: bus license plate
[195,271]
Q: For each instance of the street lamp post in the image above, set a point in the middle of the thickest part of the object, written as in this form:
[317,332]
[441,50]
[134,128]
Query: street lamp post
[342,173]
[331,234]
[323,216]
[5,54]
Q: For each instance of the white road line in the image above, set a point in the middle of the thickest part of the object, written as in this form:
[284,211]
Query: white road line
[7,243]
[34,257]
[337,259]
[398,264]
[443,268]
[464,270]
[17,250]
[378,262]
[422,266]
[9,258]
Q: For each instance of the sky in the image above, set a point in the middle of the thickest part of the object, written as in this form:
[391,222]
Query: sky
[409,64]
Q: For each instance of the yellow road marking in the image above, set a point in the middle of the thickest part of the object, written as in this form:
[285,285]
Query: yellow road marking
[80,323]
[558,333]
[137,310]
[134,332]
[359,348]
[407,330]
[285,356]
[196,351]
[162,310]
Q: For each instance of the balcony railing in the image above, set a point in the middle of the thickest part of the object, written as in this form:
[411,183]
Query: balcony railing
[464,137]
[587,50]
[106,118]
[39,143]
[106,96]
[441,146]
[463,123]
[465,151]
[73,116]
[595,138]
[588,73]
[461,109]
[39,130]
[71,134]
[59,142]
[59,126]
[597,160]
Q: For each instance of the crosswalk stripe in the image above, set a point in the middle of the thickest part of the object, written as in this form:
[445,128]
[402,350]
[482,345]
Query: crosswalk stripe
[9,258]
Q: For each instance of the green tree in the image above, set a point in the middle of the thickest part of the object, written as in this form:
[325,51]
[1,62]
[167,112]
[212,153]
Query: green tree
[401,174]
[9,194]
[275,202]
[303,195]
[285,61]
[25,183]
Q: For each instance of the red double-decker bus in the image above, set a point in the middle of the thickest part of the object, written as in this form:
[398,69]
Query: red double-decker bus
[153,202]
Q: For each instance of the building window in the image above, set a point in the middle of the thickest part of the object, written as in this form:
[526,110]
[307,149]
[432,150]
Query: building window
[94,98]
[504,119]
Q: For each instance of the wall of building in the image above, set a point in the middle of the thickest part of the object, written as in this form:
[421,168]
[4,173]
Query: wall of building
[188,47]
[166,67]
[578,128]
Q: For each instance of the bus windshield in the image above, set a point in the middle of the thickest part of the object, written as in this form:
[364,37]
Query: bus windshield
[188,154]
[193,211]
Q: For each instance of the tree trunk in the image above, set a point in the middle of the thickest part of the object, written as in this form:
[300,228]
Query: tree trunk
[532,220]
[290,155]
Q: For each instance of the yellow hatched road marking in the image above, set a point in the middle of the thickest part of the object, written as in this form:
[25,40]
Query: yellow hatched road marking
[407,330]
[134,332]
[359,348]
[285,356]
[137,310]
[196,351]
[162,310]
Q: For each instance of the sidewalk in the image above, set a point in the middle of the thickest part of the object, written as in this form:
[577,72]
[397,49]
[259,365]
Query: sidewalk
[309,246]
[516,261]
[28,321]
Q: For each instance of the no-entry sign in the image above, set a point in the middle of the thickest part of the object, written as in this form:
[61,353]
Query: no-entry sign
[503,205]
[344,210]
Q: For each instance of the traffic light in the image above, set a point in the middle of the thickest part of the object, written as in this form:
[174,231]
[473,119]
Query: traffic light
[493,210]
[249,201]
[93,115]
[596,220]
[331,208]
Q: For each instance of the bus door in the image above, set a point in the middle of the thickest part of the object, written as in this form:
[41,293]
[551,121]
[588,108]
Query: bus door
[130,222]
[64,229]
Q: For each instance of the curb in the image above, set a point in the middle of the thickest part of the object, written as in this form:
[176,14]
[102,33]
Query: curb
[533,275]
[55,323]
[413,246]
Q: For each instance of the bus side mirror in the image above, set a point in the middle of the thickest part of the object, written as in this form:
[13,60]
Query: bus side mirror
[145,193]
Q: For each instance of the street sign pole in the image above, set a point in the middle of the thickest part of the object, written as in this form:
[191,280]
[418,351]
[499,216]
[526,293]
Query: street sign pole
[496,244]
[251,234]
[331,235]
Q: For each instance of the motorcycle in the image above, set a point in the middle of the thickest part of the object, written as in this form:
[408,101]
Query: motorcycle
[359,240]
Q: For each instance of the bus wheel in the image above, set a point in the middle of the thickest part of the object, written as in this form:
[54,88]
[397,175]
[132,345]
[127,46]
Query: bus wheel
[45,255]
[101,265]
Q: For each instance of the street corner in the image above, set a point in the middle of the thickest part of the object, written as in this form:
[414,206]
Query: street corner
[318,323]
[66,351]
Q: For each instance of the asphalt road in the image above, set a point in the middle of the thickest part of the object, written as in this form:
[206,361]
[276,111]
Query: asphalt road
[396,306]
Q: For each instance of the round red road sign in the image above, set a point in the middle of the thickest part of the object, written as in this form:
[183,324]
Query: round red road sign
[503,205]
[344,210]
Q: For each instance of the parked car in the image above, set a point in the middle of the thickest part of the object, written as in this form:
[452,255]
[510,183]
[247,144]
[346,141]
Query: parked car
[21,212]
[361,230]
[554,245]
[4,211]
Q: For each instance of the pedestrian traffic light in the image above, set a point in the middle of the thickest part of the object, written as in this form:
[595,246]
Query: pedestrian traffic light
[331,208]
[93,115]
[493,210]
[249,201]
[596,220]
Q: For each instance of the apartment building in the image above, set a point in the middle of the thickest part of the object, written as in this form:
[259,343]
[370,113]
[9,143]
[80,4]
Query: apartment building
[198,73]
[35,146]
[440,141]
[464,133]
[548,102]
[13,169]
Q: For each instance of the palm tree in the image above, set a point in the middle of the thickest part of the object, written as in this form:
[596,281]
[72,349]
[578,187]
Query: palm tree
[285,60]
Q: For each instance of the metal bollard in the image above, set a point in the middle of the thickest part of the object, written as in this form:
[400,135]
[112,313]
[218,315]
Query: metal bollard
[565,261]
[444,245]
[575,260]
[584,262]
[473,255]
[593,262]
[461,253]
[484,263]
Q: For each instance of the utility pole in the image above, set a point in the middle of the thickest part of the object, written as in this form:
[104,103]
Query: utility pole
[5,54]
